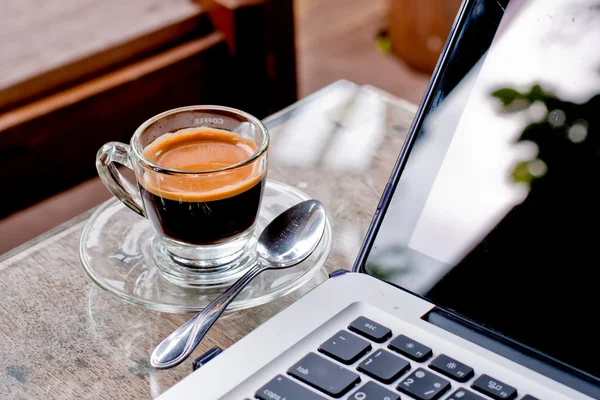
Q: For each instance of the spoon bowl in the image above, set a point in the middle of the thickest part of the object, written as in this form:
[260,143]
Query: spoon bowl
[292,236]
[288,240]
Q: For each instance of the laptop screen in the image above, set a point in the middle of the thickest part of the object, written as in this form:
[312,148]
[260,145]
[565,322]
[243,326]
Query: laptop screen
[496,214]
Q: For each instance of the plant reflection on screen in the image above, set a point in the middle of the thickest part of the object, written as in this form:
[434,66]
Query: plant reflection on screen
[559,127]
[391,255]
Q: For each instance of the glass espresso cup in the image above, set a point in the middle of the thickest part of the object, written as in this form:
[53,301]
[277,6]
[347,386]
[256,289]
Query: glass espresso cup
[200,175]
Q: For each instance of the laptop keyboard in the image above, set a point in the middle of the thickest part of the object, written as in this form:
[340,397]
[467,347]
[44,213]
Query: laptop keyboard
[404,368]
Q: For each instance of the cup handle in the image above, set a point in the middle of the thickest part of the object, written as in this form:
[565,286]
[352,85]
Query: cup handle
[124,190]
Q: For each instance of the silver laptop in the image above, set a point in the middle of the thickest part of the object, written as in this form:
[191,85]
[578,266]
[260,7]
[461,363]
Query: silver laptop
[478,278]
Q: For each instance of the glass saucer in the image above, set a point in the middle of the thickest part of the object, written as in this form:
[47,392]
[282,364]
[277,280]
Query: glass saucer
[115,249]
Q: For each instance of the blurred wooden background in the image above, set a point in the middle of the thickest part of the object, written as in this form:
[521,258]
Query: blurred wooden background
[77,74]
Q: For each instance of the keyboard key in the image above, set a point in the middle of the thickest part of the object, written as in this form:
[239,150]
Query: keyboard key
[494,388]
[324,375]
[384,366]
[451,368]
[410,348]
[463,394]
[372,391]
[370,329]
[424,385]
[345,347]
[281,387]
[529,397]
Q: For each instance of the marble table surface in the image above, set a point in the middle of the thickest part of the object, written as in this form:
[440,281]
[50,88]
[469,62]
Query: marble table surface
[63,337]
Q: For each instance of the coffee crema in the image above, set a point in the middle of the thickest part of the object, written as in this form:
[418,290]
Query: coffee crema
[206,207]
[201,150]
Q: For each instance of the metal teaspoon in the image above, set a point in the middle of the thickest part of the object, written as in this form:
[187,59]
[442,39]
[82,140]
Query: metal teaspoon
[288,240]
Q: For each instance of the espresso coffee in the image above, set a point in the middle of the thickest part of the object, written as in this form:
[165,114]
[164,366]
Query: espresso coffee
[195,206]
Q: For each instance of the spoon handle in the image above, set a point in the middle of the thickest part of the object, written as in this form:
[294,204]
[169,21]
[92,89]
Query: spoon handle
[182,342]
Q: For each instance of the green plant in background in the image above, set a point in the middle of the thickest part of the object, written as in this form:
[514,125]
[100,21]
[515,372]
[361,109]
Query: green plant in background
[383,42]
[558,126]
